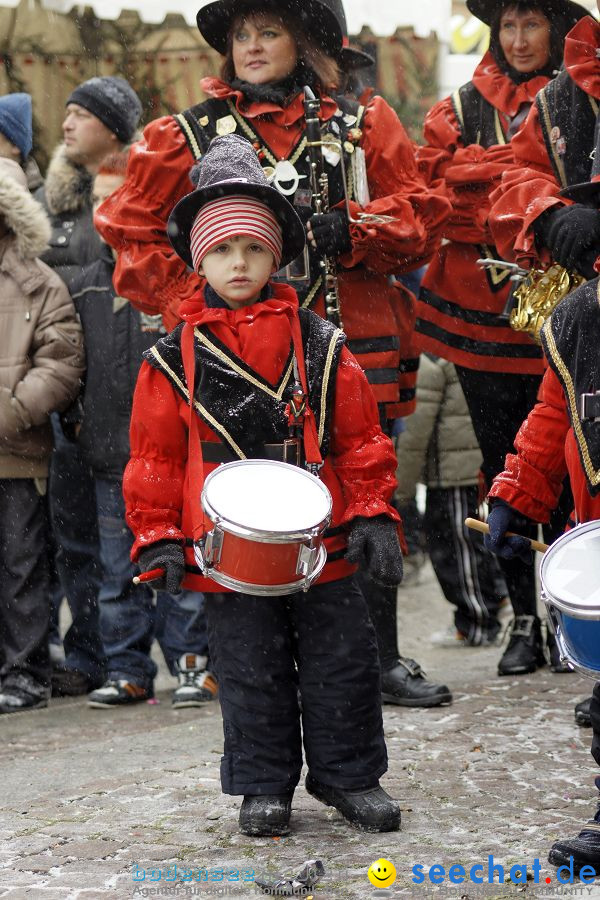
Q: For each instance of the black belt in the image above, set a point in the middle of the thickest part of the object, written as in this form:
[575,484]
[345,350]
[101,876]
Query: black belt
[213,452]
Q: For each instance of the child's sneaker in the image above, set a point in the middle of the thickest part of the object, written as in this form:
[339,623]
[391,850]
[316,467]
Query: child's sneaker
[118,693]
[21,693]
[197,685]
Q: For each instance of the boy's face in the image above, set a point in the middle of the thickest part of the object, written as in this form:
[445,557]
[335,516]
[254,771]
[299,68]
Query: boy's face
[238,269]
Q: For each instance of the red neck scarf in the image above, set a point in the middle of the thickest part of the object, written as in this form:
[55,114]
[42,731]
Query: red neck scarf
[502,93]
[582,47]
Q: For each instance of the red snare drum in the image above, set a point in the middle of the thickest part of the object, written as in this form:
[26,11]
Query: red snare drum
[269,521]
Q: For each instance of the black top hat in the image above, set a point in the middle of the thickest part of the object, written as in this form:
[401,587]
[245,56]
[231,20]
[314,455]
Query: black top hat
[230,166]
[322,19]
[351,59]
[588,192]
[486,9]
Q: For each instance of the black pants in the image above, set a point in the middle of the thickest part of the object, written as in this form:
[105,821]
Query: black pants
[498,405]
[467,573]
[24,605]
[265,650]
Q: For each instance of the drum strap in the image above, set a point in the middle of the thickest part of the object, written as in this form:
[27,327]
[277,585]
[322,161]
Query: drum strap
[195,460]
[312,454]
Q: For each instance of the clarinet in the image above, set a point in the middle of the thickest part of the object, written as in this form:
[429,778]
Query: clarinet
[319,184]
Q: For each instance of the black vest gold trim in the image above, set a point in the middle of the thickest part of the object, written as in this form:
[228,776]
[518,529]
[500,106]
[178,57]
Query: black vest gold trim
[236,402]
[568,120]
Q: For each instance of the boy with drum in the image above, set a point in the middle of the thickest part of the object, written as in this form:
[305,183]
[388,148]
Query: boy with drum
[560,436]
[245,345]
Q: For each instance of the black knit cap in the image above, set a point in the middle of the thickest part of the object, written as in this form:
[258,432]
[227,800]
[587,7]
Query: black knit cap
[321,19]
[112,100]
[486,9]
[231,166]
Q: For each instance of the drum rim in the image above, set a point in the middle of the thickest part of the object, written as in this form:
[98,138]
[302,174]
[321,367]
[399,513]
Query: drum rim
[259,535]
[566,606]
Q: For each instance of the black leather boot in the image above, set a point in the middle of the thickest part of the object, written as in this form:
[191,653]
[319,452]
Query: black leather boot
[266,815]
[585,848]
[525,651]
[405,685]
[371,809]
[582,713]
[556,664]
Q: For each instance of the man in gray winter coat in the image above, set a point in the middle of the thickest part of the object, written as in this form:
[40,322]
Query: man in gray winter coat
[41,361]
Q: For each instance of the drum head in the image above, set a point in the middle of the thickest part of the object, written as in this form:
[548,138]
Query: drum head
[264,496]
[570,571]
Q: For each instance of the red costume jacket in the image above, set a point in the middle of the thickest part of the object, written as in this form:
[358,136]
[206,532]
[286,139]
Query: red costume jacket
[531,185]
[359,468]
[378,315]
[458,312]
[555,440]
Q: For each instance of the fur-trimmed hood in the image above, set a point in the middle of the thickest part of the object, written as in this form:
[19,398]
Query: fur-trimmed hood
[68,187]
[25,217]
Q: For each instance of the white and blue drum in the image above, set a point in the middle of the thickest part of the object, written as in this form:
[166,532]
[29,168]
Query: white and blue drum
[570,576]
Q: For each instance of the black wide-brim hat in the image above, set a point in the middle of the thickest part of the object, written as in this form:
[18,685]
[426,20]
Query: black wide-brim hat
[320,18]
[486,9]
[351,59]
[586,192]
[230,166]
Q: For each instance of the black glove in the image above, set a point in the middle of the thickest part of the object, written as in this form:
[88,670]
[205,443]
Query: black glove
[503,518]
[331,232]
[373,544]
[568,233]
[167,555]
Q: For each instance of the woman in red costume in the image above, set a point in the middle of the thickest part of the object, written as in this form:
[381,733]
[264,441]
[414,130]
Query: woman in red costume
[271,51]
[460,311]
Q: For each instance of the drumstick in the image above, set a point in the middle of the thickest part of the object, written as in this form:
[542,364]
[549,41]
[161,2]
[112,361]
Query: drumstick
[484,528]
[151,575]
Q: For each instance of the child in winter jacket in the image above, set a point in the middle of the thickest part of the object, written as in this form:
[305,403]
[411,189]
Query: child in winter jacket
[41,361]
[240,337]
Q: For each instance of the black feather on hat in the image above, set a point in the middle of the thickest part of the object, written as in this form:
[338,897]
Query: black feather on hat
[230,166]
[322,19]
[485,10]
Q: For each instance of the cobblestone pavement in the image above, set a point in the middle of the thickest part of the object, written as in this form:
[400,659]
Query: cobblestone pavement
[89,795]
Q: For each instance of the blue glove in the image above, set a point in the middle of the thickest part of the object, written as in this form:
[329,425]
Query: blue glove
[503,518]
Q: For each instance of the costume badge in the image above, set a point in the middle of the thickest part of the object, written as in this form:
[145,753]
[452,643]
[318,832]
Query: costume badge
[204,121]
[226,125]
[554,134]
[561,146]
[350,120]
[286,178]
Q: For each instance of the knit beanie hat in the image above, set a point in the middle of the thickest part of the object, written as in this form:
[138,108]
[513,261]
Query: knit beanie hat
[15,121]
[112,100]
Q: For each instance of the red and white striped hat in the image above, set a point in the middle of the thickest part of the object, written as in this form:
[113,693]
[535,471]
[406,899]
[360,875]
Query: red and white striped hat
[227,217]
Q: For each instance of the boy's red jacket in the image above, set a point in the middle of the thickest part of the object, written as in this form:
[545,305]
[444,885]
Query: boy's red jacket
[378,314]
[530,186]
[359,470]
[458,313]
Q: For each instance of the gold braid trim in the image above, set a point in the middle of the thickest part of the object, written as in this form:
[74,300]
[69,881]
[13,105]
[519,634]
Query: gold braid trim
[203,412]
[548,123]
[185,126]
[326,374]
[277,395]
[592,475]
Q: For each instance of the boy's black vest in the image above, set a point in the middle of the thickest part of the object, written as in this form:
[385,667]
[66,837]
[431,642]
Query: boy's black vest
[570,339]
[568,121]
[201,123]
[480,123]
[244,410]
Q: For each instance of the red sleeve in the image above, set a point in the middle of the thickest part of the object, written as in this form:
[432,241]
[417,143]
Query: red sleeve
[470,173]
[397,189]
[133,221]
[363,456]
[154,478]
[532,480]
[527,189]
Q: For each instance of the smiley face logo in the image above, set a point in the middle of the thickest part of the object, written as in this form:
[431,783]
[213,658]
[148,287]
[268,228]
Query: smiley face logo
[382,873]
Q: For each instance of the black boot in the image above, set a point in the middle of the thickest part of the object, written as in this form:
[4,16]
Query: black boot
[266,815]
[585,848]
[371,809]
[582,713]
[525,651]
[405,684]
[556,664]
